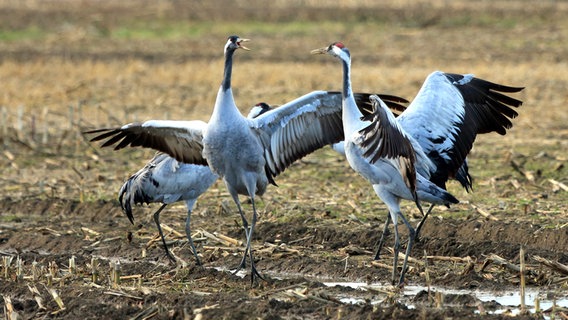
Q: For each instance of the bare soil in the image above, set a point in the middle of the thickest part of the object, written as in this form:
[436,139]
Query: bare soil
[52,231]
[62,232]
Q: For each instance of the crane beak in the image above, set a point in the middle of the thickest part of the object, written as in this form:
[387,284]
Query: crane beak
[241,46]
[320,51]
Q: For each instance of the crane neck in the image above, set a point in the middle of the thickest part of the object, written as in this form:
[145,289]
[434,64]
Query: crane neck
[347,90]
[351,114]
[227,73]
[225,109]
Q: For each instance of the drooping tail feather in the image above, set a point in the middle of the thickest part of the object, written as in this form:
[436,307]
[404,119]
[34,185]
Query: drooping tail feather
[132,192]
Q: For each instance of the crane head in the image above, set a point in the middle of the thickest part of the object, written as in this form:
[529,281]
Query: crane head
[235,42]
[259,109]
[336,49]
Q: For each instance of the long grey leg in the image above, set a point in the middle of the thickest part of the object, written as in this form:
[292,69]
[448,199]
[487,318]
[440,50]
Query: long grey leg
[243,263]
[382,239]
[253,272]
[396,249]
[421,223]
[189,238]
[157,221]
[411,236]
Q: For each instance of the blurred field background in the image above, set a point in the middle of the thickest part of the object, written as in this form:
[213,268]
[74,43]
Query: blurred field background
[70,65]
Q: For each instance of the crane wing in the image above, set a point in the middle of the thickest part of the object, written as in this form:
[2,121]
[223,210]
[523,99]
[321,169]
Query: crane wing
[304,125]
[448,113]
[385,139]
[299,127]
[396,105]
[182,140]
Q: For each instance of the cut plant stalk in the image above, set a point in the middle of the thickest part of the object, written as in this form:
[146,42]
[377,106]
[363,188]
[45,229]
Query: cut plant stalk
[522,272]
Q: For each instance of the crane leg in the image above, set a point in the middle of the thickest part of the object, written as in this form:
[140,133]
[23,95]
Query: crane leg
[157,221]
[382,239]
[396,249]
[411,236]
[243,263]
[421,223]
[190,239]
[253,272]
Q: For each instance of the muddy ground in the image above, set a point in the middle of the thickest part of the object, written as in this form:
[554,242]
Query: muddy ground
[69,252]
[296,258]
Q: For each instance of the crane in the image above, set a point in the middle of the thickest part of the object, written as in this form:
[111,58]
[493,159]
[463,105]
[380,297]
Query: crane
[411,157]
[247,154]
[166,180]
[445,117]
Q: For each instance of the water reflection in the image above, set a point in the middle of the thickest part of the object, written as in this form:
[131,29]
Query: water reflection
[508,300]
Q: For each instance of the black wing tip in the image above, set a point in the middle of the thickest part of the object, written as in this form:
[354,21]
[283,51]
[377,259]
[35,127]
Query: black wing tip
[101,134]
[517,89]
[126,208]
[464,178]
[125,203]
[489,85]
[367,117]
[92,131]
[450,198]
[504,88]
[121,138]
[129,214]
[385,97]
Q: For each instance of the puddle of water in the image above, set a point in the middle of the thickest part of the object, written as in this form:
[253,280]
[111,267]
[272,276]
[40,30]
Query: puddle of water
[353,285]
[241,273]
[509,300]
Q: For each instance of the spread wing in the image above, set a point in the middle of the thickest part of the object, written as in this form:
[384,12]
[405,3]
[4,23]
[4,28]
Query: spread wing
[448,113]
[306,124]
[182,140]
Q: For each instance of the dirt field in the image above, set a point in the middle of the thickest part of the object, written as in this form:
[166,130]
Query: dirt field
[68,251]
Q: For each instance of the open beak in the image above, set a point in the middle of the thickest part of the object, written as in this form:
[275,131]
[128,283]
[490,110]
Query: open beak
[243,47]
[320,51]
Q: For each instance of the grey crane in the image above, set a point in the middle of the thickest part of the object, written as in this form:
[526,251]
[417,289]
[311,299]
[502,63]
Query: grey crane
[166,180]
[444,119]
[411,157]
